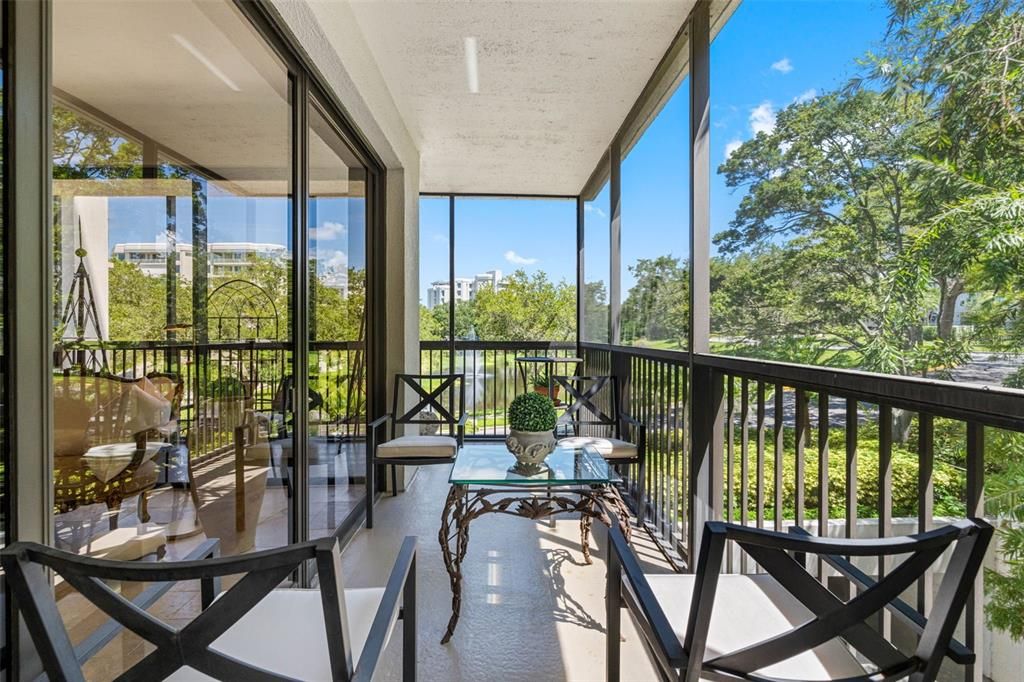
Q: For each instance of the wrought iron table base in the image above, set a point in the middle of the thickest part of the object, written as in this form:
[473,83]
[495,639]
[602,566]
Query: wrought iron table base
[463,505]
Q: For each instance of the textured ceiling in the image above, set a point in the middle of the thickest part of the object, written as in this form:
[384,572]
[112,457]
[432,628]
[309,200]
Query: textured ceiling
[556,80]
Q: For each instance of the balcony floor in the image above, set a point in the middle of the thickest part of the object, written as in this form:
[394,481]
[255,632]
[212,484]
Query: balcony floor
[531,609]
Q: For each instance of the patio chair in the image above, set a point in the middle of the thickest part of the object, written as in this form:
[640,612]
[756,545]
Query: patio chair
[436,408]
[252,631]
[784,624]
[594,405]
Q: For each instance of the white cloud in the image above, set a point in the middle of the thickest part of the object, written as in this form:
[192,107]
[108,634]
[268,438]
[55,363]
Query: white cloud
[805,96]
[783,65]
[762,118]
[591,208]
[336,260]
[329,230]
[516,259]
[731,146]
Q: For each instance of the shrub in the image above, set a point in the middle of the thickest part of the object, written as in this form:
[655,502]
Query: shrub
[532,412]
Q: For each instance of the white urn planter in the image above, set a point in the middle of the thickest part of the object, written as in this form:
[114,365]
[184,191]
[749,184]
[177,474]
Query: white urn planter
[530,448]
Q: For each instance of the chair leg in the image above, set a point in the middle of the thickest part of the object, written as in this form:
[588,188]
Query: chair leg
[613,618]
[409,626]
[394,480]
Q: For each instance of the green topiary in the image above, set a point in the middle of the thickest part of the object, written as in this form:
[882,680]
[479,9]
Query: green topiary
[532,412]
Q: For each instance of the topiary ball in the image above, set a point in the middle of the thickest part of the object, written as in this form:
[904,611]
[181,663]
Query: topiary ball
[532,412]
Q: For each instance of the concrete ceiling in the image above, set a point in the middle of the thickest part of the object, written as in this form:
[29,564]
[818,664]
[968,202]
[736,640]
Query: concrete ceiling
[556,80]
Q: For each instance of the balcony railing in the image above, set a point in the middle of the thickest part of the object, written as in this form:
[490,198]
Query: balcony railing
[222,382]
[839,452]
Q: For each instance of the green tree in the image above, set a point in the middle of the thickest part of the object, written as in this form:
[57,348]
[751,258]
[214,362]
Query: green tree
[831,199]
[525,308]
[657,307]
[595,311]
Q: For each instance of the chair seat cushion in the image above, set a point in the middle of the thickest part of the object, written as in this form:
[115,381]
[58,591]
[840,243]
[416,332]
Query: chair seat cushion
[749,609]
[285,634]
[609,448]
[418,446]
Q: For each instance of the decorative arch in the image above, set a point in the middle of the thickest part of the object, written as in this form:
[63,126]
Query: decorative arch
[238,310]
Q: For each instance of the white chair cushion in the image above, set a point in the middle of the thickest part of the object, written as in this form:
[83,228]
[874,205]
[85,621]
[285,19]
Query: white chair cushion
[285,634]
[609,448]
[419,446]
[749,609]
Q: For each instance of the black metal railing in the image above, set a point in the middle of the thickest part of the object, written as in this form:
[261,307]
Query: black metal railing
[493,377]
[224,382]
[839,452]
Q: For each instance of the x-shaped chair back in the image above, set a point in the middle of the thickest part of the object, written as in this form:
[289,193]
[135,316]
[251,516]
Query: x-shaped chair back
[26,563]
[593,401]
[443,395]
[832,616]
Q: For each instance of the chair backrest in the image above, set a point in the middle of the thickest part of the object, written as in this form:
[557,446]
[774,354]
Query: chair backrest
[170,386]
[833,617]
[26,563]
[593,401]
[95,404]
[441,399]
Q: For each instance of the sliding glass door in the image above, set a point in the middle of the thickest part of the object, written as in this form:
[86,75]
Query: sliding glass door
[194,186]
[337,330]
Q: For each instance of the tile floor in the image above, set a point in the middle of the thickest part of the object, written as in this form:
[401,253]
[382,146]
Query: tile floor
[531,609]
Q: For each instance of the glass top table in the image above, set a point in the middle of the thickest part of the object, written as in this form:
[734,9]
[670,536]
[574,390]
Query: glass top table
[577,481]
[491,464]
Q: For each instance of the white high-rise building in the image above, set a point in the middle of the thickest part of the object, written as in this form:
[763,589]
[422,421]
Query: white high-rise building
[224,259]
[466,288]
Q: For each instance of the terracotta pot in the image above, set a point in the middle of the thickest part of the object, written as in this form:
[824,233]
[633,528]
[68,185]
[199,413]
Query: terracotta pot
[543,390]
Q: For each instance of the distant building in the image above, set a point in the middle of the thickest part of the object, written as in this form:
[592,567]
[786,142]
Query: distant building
[224,259]
[959,308]
[466,288]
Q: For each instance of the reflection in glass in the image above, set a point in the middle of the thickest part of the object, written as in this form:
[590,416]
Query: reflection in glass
[337,326]
[172,262]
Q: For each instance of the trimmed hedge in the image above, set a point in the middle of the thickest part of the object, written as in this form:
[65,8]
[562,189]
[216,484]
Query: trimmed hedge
[532,412]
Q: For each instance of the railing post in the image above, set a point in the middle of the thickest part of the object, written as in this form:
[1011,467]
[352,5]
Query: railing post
[706,455]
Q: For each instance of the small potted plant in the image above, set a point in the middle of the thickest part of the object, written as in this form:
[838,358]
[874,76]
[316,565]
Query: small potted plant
[531,438]
[540,385]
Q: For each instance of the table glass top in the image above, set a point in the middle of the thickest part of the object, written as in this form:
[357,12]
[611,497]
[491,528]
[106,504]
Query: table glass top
[492,464]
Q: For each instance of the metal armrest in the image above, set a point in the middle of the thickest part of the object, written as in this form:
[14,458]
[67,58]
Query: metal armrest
[378,422]
[622,563]
[641,431]
[401,584]
[371,433]
[904,612]
[461,429]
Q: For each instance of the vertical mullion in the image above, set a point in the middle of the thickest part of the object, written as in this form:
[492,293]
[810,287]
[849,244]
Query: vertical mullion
[779,446]
[615,242]
[451,284]
[300,312]
[884,501]
[925,499]
[580,273]
[823,419]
